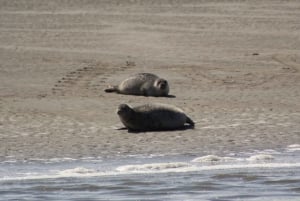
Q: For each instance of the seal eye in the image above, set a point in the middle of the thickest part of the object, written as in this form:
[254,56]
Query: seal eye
[119,111]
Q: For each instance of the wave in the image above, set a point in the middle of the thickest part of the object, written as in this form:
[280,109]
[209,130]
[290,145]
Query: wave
[77,170]
[260,157]
[96,167]
[152,167]
[218,159]
[213,158]
[293,148]
[159,168]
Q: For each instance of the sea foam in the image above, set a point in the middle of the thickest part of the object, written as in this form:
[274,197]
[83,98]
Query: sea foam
[260,157]
[152,167]
[213,159]
[77,170]
[293,148]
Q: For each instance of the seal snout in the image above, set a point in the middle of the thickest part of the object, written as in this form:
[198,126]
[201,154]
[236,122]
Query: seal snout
[163,84]
[123,109]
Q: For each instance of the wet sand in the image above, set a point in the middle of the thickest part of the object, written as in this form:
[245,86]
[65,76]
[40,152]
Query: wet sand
[234,67]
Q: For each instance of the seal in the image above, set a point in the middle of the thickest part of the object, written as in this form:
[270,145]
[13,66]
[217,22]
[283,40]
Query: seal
[142,84]
[153,117]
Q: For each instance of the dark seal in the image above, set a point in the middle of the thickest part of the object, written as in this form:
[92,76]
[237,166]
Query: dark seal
[153,117]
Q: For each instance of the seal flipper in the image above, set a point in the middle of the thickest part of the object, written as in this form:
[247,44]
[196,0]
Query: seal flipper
[122,128]
[111,89]
[190,122]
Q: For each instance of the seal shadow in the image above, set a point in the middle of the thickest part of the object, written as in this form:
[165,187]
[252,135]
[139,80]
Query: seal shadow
[170,96]
[185,127]
[145,95]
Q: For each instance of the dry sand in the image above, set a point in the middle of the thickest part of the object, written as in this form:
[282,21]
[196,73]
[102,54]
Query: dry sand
[234,67]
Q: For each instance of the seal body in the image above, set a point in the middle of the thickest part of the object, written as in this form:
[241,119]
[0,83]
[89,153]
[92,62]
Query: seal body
[143,84]
[153,117]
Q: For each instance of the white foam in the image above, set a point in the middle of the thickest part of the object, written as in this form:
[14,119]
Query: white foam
[260,157]
[152,167]
[269,151]
[52,160]
[249,166]
[84,168]
[10,161]
[68,173]
[293,147]
[77,171]
[213,159]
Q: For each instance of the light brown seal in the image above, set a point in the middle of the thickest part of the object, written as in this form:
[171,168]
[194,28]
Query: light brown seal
[153,117]
[143,84]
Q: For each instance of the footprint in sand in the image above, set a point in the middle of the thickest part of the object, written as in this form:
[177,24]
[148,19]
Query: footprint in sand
[291,63]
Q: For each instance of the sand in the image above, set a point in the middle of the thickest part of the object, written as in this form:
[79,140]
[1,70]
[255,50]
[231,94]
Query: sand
[234,67]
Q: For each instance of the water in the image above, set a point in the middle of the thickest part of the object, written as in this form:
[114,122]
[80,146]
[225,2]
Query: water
[259,175]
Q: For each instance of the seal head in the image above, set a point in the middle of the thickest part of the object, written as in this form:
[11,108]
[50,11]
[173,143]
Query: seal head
[124,110]
[162,86]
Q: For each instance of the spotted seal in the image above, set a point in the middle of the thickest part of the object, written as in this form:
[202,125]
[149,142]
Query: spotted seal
[153,117]
[143,84]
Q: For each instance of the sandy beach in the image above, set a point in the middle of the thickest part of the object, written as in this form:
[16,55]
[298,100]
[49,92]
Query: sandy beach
[234,67]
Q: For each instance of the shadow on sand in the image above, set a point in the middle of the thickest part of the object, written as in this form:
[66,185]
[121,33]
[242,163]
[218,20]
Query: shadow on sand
[185,127]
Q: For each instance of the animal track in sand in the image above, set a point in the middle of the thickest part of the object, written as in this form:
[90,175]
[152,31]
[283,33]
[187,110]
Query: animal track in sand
[245,77]
[291,63]
[85,81]
[230,77]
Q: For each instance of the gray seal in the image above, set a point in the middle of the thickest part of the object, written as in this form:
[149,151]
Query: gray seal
[153,117]
[142,84]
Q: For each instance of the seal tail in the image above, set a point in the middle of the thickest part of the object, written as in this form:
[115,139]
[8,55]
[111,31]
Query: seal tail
[190,122]
[111,89]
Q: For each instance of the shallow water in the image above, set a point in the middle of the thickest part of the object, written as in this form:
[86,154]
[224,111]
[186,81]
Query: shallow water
[259,175]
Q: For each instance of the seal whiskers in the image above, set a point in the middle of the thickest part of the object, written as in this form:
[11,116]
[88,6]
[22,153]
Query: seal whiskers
[190,122]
